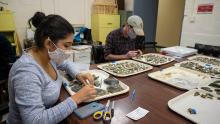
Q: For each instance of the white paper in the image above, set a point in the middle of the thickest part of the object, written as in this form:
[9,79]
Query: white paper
[137,113]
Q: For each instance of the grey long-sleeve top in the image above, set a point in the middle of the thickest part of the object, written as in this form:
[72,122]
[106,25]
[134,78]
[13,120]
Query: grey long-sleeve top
[32,93]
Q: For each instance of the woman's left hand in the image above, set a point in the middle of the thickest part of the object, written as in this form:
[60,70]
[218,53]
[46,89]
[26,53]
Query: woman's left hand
[85,76]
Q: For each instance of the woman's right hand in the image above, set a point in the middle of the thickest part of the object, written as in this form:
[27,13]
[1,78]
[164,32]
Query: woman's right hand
[86,93]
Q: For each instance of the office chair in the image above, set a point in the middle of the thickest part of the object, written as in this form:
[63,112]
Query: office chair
[208,49]
[7,58]
[4,97]
[98,53]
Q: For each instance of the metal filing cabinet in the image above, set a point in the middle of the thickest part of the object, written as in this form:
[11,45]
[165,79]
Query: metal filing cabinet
[102,25]
[7,27]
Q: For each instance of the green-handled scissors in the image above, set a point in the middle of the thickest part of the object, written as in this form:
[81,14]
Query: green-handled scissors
[105,115]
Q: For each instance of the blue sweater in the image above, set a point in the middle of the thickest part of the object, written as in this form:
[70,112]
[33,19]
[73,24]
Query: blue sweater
[33,94]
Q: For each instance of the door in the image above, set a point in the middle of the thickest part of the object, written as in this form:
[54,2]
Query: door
[147,10]
[169,22]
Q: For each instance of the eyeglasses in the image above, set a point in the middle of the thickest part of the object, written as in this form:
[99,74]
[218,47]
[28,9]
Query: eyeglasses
[130,26]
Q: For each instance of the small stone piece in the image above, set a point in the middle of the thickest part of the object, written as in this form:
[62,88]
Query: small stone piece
[111,81]
[203,96]
[208,94]
[217,90]
[207,89]
[215,85]
[95,77]
[209,97]
[191,111]
[196,93]
[218,93]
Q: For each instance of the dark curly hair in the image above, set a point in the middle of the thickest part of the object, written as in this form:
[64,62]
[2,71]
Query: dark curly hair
[53,26]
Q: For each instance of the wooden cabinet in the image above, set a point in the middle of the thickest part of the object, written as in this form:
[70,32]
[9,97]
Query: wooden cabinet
[7,27]
[102,25]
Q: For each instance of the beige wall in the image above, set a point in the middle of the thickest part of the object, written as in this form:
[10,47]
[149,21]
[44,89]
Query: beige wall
[129,5]
[76,11]
[169,22]
[201,28]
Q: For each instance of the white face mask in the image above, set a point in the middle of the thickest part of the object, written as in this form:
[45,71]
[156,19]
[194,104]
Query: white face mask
[58,56]
[131,35]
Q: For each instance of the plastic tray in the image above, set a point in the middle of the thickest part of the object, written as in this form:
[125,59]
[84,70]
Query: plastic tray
[147,68]
[176,77]
[217,60]
[102,75]
[179,51]
[208,110]
[152,62]
[217,68]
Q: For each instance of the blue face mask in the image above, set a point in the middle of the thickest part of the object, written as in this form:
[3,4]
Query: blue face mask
[131,35]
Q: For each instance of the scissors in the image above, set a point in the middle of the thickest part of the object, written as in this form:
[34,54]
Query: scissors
[105,115]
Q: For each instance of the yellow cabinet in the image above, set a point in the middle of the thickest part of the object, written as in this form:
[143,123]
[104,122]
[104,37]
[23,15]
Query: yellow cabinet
[7,27]
[102,25]
[6,21]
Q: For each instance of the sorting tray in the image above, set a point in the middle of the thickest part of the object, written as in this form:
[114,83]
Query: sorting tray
[102,76]
[180,78]
[154,59]
[213,71]
[208,110]
[206,59]
[210,88]
[125,68]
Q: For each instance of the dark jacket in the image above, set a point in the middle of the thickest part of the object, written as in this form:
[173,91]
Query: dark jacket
[7,56]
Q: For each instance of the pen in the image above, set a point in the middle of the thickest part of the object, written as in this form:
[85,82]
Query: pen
[101,83]
[112,109]
[64,84]
[133,95]
[87,82]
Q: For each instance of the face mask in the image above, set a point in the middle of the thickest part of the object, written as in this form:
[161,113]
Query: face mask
[58,56]
[131,35]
